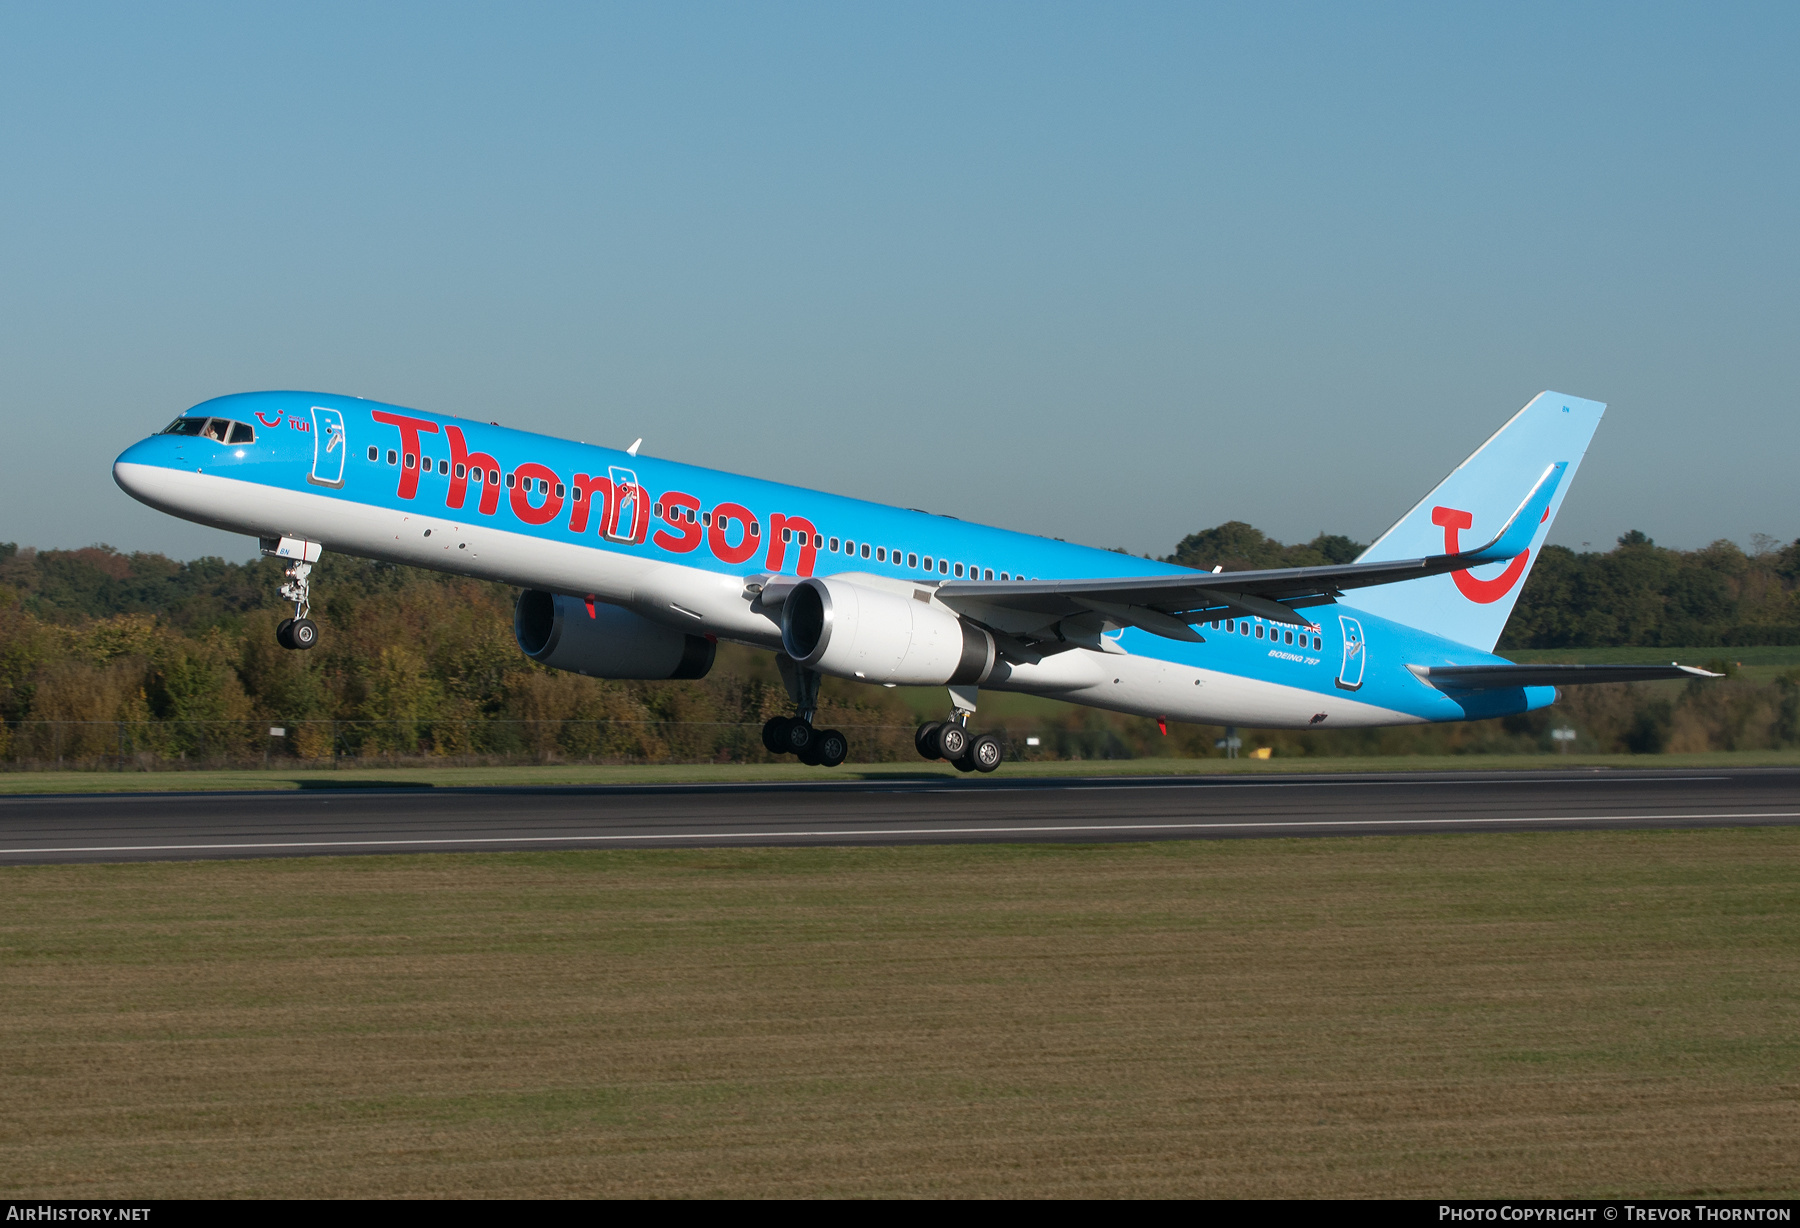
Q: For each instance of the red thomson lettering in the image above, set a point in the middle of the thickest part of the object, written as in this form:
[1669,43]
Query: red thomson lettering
[1482,592]
[409,444]
[462,461]
[718,536]
[673,503]
[586,490]
[803,529]
[529,475]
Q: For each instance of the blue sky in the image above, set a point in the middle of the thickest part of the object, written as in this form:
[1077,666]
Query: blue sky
[1112,273]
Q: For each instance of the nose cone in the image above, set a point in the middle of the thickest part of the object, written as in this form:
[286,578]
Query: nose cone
[139,468]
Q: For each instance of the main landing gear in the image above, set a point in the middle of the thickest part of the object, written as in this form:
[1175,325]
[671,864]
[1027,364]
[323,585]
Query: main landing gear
[298,632]
[795,735]
[951,739]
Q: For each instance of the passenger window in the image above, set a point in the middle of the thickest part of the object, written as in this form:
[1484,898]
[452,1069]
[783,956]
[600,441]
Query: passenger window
[1243,628]
[424,464]
[374,452]
[834,545]
[706,519]
[818,541]
[393,457]
[881,554]
[412,462]
[1259,631]
[574,494]
[462,471]
[755,528]
[493,477]
[865,550]
[559,490]
[929,564]
[988,574]
[912,560]
[849,547]
[241,433]
[1318,643]
[512,481]
[944,566]
[959,571]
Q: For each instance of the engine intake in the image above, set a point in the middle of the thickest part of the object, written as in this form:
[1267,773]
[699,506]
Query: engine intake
[612,643]
[853,631]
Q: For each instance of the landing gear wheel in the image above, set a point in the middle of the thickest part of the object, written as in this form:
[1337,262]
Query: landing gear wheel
[985,752]
[281,633]
[798,737]
[830,748]
[304,633]
[925,739]
[775,735]
[964,764]
[952,741]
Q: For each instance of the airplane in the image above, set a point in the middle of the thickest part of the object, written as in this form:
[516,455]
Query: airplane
[633,566]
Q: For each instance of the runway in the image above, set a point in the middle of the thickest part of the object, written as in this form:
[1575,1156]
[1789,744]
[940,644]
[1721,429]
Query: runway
[900,809]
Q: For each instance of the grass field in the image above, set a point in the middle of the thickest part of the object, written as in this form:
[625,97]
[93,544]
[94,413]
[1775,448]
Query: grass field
[1543,1014]
[543,775]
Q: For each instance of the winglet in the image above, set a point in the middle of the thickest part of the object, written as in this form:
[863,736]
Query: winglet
[1517,535]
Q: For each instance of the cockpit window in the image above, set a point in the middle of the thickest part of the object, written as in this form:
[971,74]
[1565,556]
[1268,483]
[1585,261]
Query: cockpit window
[220,430]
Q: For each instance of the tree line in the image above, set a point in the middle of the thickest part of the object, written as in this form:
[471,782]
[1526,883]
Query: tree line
[418,663]
[1636,595]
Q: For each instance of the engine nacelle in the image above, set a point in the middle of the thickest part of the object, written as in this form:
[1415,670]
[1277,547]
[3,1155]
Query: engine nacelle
[612,643]
[853,631]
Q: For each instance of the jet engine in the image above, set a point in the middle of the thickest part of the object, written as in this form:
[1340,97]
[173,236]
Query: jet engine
[609,643]
[853,631]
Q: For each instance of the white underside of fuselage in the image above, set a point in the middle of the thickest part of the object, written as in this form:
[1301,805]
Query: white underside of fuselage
[694,599]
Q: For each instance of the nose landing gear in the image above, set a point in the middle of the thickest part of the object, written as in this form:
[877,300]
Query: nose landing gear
[298,632]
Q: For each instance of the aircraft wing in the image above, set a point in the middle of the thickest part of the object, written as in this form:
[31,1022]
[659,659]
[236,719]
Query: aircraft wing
[1168,605]
[1481,677]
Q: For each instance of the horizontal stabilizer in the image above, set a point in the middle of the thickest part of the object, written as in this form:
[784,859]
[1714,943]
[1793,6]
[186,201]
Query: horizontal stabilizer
[1482,677]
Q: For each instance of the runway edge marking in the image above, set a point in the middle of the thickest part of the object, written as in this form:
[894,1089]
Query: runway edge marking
[893,831]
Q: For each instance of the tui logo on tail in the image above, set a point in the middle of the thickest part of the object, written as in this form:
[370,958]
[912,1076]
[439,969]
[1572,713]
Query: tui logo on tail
[1484,592]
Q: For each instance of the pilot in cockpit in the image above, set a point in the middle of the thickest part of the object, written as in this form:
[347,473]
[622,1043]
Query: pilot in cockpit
[216,428]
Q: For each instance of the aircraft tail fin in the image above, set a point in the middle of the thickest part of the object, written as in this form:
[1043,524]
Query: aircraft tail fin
[1477,500]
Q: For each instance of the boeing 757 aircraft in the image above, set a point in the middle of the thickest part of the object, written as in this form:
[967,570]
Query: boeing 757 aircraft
[635,567]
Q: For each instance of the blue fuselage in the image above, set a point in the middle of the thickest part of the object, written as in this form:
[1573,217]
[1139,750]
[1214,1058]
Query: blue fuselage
[476,498]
